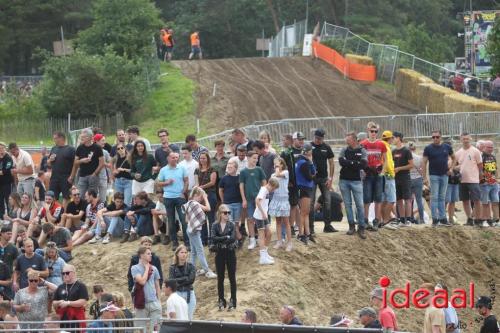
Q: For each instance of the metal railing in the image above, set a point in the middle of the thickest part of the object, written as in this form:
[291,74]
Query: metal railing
[413,126]
[288,41]
[35,325]
[388,58]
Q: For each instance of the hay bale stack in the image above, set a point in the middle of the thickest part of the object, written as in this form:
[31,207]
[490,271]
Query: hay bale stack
[431,95]
[357,59]
[464,103]
[407,84]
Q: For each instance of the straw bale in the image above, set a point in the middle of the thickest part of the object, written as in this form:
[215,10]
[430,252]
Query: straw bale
[407,82]
[357,59]
[431,95]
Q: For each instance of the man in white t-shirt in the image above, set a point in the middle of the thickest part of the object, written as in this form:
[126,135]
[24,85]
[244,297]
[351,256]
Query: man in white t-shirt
[240,159]
[177,307]
[24,169]
[190,164]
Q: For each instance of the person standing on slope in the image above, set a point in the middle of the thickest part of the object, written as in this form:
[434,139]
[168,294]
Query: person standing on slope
[195,45]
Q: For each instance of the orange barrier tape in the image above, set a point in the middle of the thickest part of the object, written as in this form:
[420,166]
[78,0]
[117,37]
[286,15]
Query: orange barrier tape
[353,71]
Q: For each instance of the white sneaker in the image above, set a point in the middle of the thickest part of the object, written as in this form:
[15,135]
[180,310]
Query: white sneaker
[268,256]
[289,247]
[106,239]
[485,224]
[390,226]
[211,275]
[252,243]
[264,260]
[201,272]
[94,240]
[278,245]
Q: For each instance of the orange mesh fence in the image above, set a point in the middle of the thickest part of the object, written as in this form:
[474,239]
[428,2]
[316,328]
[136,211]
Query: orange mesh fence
[353,71]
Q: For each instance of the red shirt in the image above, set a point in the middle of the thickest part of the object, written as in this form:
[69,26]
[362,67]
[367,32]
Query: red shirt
[55,210]
[387,318]
[374,151]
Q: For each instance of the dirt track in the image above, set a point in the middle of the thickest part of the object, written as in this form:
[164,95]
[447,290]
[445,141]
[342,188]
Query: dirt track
[253,89]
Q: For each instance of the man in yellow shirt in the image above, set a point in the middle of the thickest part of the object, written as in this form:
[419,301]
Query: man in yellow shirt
[389,193]
[434,320]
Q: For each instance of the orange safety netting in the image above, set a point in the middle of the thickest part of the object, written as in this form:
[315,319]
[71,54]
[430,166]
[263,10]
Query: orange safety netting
[353,71]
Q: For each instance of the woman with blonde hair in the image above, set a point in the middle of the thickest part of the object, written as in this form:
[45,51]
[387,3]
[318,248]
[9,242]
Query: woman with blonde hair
[279,206]
[265,137]
[184,273]
[54,263]
[195,210]
[224,243]
[25,215]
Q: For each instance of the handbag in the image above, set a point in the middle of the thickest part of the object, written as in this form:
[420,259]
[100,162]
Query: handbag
[138,296]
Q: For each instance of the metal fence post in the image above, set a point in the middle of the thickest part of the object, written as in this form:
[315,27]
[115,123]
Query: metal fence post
[345,42]
[394,66]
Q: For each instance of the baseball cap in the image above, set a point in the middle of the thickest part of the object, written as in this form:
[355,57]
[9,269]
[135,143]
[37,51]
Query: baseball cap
[298,135]
[412,145]
[98,137]
[377,293]
[319,132]
[109,307]
[307,147]
[484,301]
[387,135]
[361,136]
[50,194]
[398,135]
[367,311]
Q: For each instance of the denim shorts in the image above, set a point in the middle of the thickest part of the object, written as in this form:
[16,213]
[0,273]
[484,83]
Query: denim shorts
[373,188]
[389,194]
[262,224]
[489,193]
[235,209]
[452,193]
[250,208]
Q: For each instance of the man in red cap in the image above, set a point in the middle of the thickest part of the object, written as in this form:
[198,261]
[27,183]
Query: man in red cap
[89,160]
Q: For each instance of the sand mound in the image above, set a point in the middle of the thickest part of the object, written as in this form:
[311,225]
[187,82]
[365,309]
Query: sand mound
[251,89]
[335,275]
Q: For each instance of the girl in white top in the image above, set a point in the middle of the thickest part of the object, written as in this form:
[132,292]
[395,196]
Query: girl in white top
[280,205]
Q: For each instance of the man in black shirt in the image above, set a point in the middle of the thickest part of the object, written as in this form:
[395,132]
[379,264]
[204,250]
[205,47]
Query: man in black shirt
[161,153]
[8,252]
[74,215]
[61,159]
[6,180]
[89,159]
[113,218]
[490,323]
[323,160]
[368,318]
[121,138]
[403,163]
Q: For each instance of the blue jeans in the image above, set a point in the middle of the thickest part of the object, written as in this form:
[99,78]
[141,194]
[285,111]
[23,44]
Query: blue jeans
[235,209]
[212,199]
[438,196]
[111,224]
[143,224]
[191,303]
[417,186]
[124,185]
[354,188]
[173,205]
[197,250]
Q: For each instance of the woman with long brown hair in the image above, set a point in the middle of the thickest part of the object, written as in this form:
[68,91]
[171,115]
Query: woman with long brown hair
[184,273]
[207,180]
[141,165]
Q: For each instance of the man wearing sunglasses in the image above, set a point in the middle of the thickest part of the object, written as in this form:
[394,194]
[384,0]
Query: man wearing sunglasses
[437,154]
[287,316]
[70,298]
[74,216]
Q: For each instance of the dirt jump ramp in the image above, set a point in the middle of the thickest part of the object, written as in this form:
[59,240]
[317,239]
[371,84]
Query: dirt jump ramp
[237,92]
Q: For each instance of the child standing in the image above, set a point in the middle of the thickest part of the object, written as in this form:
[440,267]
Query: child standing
[195,209]
[262,221]
[279,206]
[251,180]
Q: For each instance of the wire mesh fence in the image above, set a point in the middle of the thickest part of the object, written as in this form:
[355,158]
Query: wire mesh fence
[288,41]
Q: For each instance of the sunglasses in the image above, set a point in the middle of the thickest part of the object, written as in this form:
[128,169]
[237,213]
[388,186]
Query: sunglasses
[226,213]
[34,281]
[120,148]
[373,131]
[67,273]
[436,136]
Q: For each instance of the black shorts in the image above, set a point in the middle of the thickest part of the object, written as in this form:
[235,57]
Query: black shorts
[293,196]
[60,185]
[305,192]
[403,189]
[469,192]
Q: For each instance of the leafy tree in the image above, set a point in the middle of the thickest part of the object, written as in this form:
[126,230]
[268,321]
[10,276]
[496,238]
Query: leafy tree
[493,48]
[90,85]
[126,26]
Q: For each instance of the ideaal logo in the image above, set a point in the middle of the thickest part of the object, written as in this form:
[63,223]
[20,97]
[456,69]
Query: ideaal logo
[460,299]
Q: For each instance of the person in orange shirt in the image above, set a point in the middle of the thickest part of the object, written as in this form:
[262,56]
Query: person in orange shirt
[168,44]
[195,45]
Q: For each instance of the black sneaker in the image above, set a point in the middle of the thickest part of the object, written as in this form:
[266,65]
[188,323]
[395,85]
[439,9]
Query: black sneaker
[329,228]
[292,229]
[361,233]
[375,223]
[444,223]
[165,239]
[125,237]
[470,222]
[156,239]
[311,238]
[352,230]
[435,222]
[303,239]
